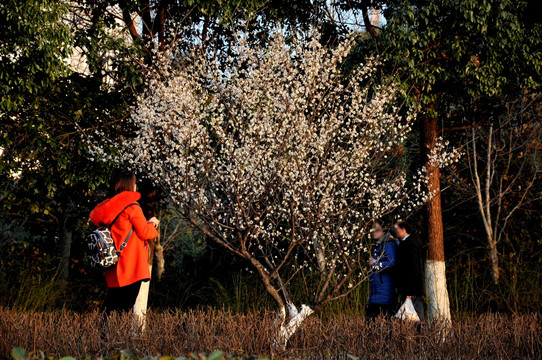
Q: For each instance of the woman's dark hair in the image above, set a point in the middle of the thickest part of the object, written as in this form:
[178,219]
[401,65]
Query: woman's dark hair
[122,181]
[149,198]
[380,222]
[404,225]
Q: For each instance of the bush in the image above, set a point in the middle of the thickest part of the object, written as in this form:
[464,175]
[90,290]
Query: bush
[338,337]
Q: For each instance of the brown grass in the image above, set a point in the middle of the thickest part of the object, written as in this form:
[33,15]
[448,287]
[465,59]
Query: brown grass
[176,333]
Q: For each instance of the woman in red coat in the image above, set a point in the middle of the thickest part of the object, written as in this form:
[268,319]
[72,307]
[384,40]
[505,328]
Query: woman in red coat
[124,279]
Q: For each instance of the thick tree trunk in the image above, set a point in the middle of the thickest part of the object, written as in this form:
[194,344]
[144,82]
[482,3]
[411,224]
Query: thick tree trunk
[438,305]
[435,275]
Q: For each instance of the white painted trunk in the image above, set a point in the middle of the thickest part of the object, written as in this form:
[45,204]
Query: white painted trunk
[438,306]
[287,329]
[140,306]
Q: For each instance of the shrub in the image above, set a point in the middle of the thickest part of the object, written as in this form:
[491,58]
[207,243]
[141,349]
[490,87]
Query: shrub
[178,333]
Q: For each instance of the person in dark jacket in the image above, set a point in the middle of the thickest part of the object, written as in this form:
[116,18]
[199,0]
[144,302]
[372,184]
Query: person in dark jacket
[410,272]
[381,262]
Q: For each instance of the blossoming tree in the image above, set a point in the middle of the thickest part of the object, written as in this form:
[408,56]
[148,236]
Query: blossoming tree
[279,158]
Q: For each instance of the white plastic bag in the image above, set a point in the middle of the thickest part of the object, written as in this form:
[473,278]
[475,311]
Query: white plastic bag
[407,311]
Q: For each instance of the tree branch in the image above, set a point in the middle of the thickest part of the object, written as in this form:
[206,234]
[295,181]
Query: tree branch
[367,23]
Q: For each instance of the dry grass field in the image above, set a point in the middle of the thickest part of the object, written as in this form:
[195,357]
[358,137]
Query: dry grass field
[91,335]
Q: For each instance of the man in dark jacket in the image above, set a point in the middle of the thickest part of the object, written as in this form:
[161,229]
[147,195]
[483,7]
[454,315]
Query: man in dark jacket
[410,272]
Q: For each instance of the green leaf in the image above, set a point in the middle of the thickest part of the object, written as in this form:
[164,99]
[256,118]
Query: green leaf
[19,354]
[217,355]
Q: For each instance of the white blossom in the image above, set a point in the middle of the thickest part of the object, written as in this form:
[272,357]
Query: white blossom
[275,148]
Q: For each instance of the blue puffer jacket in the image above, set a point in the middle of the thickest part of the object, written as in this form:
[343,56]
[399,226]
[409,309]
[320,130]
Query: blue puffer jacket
[381,286]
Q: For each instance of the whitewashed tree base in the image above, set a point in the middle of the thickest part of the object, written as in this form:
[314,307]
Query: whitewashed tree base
[438,303]
[140,306]
[286,330]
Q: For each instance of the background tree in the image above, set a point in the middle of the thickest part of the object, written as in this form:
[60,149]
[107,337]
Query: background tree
[156,24]
[504,165]
[48,182]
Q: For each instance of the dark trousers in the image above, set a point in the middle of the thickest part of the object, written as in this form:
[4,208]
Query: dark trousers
[372,311]
[417,301]
[122,299]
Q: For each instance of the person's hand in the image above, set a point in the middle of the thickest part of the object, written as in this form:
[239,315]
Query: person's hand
[154,221]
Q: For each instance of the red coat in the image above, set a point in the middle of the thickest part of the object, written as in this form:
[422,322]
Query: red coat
[133,264]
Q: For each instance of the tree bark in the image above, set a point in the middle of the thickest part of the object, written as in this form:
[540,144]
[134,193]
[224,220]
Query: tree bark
[435,275]
[494,260]
[66,251]
[367,22]
[65,246]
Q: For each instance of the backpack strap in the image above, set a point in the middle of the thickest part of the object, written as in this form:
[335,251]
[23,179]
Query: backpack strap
[123,245]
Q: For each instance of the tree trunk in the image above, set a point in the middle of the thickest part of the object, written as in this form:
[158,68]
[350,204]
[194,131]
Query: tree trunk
[65,246]
[435,274]
[494,260]
[66,251]
[140,306]
[285,330]
[485,207]
[148,203]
